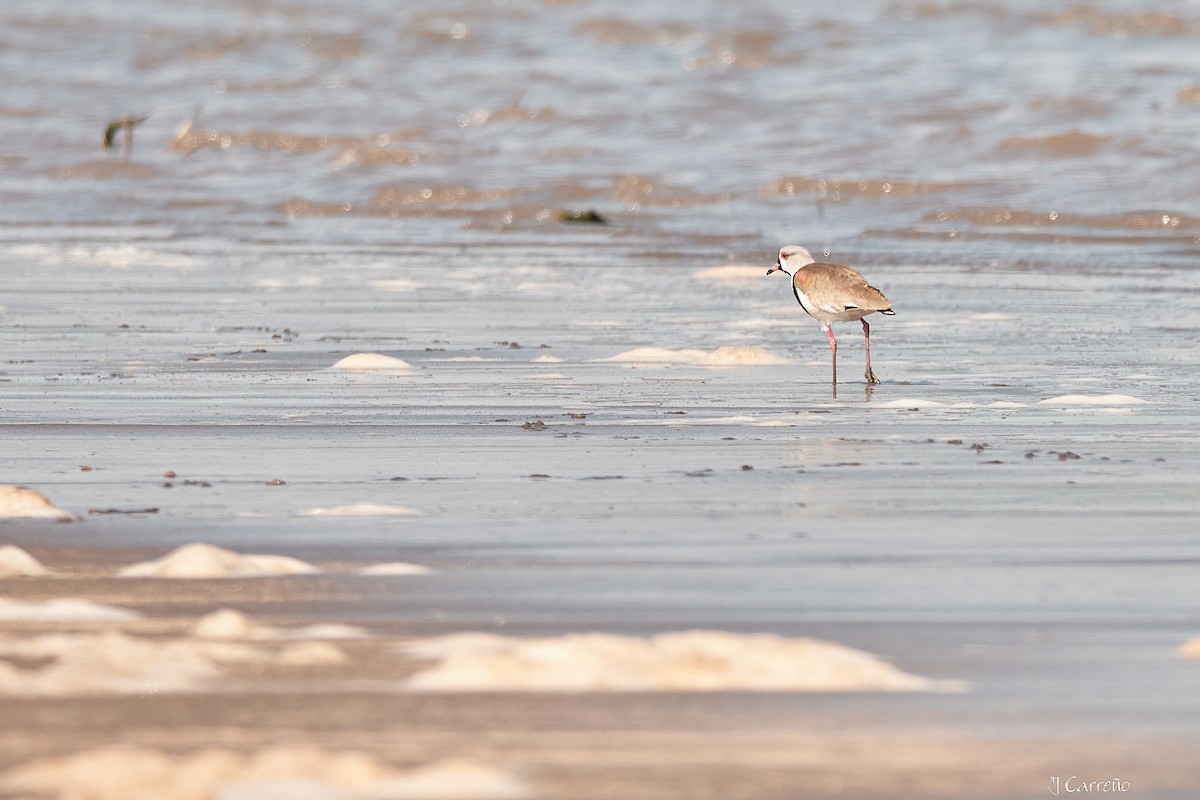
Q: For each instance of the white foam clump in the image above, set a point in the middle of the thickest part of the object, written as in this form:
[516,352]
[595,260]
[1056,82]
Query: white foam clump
[121,256]
[360,510]
[754,422]
[395,568]
[17,502]
[208,561]
[397,285]
[113,663]
[230,625]
[16,562]
[1092,400]
[910,402]
[286,773]
[729,356]
[731,273]
[685,661]
[742,355]
[62,610]
[547,360]
[376,362]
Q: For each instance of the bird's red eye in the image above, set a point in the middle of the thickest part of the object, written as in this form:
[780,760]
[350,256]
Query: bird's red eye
[784,256]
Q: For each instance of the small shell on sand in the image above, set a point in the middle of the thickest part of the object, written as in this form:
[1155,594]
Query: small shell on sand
[131,773]
[685,661]
[360,510]
[208,561]
[17,502]
[372,361]
[14,561]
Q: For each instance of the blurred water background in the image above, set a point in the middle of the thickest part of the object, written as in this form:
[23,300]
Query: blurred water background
[1055,136]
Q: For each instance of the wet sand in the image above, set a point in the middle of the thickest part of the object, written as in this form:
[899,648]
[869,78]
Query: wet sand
[358,330]
[1010,509]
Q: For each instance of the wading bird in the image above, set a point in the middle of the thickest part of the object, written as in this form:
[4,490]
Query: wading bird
[832,293]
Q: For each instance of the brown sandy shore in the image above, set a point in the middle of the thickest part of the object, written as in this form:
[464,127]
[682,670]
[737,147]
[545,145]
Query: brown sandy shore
[551,745]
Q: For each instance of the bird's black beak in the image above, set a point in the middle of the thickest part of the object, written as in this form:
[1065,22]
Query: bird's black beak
[775,268]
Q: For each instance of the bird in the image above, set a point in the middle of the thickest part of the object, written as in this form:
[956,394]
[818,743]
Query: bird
[832,293]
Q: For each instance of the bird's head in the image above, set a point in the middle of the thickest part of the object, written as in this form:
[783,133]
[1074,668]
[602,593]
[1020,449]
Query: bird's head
[793,256]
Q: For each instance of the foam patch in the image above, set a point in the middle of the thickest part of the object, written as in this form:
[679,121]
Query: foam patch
[395,568]
[360,510]
[16,562]
[731,356]
[732,273]
[910,402]
[196,561]
[372,362]
[63,610]
[397,285]
[17,502]
[131,773]
[687,661]
[230,625]
[1092,400]
[113,663]
[742,356]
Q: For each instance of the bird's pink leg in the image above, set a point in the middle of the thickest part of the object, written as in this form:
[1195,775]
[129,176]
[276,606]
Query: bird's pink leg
[867,339]
[833,353]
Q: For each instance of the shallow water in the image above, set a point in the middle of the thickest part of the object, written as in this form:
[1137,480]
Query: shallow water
[1014,506]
